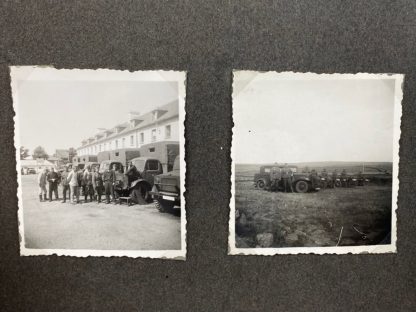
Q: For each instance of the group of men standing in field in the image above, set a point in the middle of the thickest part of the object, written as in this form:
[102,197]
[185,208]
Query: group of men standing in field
[90,181]
[285,176]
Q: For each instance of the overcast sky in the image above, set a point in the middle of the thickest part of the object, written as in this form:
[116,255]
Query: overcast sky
[60,113]
[313,120]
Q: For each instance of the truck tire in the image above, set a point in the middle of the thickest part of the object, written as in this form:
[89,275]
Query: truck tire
[137,197]
[302,186]
[164,205]
[260,184]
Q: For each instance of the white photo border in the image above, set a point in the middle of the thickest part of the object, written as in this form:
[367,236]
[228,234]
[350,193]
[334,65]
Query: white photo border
[247,77]
[18,73]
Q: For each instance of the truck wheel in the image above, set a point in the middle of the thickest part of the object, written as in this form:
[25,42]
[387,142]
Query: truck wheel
[260,184]
[137,197]
[164,205]
[302,187]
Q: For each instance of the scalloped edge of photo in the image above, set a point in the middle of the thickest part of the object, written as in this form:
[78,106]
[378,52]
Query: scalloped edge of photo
[38,72]
[245,77]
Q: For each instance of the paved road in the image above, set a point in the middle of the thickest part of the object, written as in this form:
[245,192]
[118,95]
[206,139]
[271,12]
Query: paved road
[56,225]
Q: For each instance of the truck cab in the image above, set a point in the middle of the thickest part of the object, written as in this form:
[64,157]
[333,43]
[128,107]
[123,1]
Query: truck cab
[166,190]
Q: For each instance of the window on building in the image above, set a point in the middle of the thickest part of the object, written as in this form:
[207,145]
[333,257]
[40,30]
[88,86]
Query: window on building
[167,132]
[100,148]
[124,142]
[152,165]
[153,135]
[131,140]
[142,138]
[116,143]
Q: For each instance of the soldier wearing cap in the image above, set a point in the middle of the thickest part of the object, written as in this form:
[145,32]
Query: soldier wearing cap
[287,175]
[344,178]
[275,177]
[324,176]
[109,179]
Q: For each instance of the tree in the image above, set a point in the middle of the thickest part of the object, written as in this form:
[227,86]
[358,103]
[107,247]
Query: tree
[24,152]
[39,152]
[72,153]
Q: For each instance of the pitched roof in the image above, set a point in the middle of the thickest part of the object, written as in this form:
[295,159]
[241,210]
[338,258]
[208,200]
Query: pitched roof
[165,112]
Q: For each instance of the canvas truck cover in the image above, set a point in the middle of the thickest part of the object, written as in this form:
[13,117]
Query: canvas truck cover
[165,152]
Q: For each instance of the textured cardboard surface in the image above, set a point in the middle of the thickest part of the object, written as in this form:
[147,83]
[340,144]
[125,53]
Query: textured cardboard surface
[208,39]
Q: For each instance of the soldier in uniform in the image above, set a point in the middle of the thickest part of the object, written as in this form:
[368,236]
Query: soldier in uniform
[109,179]
[344,178]
[42,178]
[88,187]
[334,177]
[313,176]
[286,176]
[73,184]
[275,177]
[97,182]
[65,184]
[324,175]
[53,179]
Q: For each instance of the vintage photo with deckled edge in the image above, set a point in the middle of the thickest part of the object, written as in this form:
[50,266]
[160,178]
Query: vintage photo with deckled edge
[122,130]
[266,218]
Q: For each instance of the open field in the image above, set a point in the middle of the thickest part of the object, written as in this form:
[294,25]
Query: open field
[312,219]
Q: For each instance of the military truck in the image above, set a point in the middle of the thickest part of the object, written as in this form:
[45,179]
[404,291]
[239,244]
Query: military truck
[140,177]
[122,156]
[302,182]
[166,190]
[81,161]
[165,151]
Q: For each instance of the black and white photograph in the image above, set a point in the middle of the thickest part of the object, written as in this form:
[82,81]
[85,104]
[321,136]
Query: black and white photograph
[314,163]
[100,162]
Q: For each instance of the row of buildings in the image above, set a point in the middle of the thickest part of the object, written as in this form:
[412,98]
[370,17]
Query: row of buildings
[158,125]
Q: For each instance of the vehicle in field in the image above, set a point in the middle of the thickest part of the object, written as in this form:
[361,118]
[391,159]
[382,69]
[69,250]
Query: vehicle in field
[327,182]
[135,181]
[166,190]
[301,182]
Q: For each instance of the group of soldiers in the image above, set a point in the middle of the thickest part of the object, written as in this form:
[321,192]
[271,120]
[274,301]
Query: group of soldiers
[76,182]
[285,179]
[285,176]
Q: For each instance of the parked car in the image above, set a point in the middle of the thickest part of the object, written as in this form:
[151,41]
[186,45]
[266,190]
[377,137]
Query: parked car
[166,190]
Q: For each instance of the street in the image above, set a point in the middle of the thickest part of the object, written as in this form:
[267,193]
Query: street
[56,225]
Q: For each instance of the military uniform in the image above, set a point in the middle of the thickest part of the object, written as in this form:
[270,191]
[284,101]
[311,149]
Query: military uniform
[324,176]
[108,179]
[65,185]
[275,177]
[42,179]
[287,179]
[97,182]
[344,178]
[88,187]
[53,179]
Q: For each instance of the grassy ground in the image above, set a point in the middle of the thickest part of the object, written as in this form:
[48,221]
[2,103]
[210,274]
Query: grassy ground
[312,219]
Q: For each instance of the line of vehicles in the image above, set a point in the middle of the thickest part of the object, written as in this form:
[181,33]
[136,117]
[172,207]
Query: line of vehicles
[145,174]
[303,182]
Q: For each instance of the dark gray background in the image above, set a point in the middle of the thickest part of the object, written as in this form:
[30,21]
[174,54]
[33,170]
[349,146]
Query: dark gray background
[208,39]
